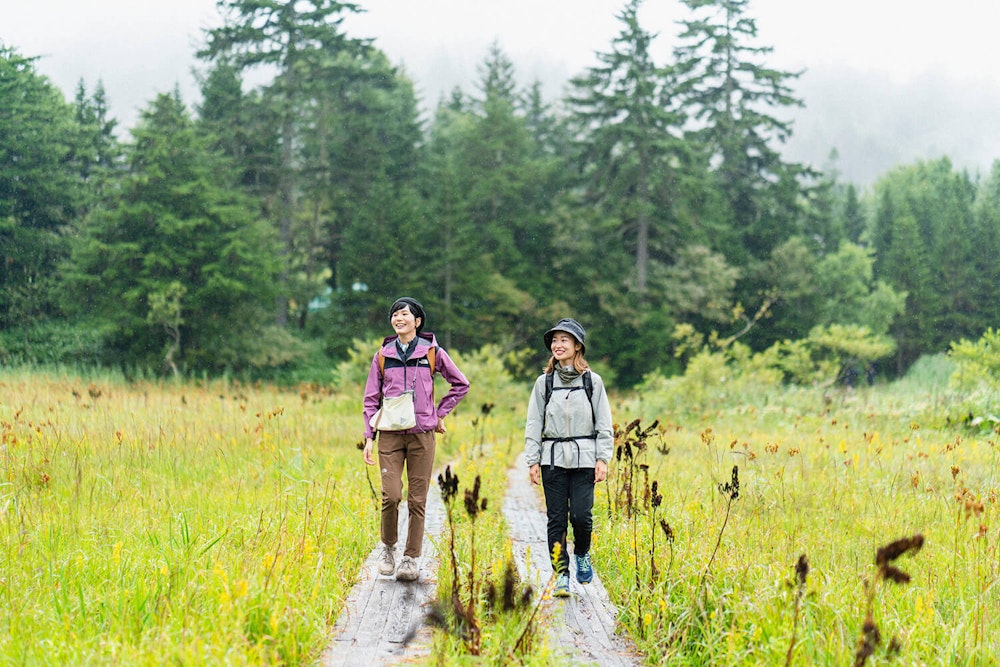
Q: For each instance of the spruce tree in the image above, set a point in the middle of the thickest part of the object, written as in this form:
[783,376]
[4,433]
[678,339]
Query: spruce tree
[925,246]
[179,268]
[853,220]
[40,188]
[735,100]
[300,40]
[98,154]
[628,127]
[491,190]
[985,232]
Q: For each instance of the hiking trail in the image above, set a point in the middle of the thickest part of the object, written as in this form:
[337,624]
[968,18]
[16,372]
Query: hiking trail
[383,621]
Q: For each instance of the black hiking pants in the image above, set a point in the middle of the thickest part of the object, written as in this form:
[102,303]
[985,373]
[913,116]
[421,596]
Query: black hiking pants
[569,499]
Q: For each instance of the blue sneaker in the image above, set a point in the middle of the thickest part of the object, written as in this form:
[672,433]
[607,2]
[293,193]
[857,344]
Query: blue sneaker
[584,570]
[562,586]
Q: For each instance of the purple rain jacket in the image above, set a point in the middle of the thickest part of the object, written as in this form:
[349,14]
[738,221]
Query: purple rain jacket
[415,375]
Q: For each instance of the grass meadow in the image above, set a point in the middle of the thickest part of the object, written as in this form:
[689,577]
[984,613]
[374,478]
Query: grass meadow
[832,475]
[220,523]
[198,523]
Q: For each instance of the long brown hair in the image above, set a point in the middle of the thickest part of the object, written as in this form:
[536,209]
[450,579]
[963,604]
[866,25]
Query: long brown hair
[579,363]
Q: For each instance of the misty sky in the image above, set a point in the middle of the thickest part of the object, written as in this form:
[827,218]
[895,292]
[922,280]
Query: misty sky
[886,81]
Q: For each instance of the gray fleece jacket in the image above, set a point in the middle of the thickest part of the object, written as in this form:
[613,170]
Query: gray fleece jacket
[569,416]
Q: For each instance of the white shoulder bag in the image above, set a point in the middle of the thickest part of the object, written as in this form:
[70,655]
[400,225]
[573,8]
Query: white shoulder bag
[396,414]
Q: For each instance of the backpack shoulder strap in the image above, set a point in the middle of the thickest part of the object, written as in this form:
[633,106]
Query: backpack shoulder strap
[549,381]
[381,363]
[588,386]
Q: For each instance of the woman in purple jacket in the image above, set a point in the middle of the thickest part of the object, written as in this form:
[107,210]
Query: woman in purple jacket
[404,363]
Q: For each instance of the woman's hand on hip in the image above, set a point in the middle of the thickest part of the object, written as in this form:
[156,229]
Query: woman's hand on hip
[535,473]
[600,472]
[440,428]
[368,451]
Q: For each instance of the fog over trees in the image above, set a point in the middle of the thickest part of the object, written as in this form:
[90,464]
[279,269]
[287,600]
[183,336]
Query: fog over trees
[875,123]
[673,200]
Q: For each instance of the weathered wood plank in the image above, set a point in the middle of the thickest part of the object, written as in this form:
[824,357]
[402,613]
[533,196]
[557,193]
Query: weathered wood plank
[383,621]
[382,618]
[583,626]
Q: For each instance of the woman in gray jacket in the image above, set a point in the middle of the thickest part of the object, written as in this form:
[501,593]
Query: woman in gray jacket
[568,442]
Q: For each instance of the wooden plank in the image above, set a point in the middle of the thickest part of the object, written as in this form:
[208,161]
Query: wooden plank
[582,626]
[383,619]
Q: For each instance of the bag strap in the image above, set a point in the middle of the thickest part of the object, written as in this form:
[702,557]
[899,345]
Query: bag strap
[431,361]
[588,388]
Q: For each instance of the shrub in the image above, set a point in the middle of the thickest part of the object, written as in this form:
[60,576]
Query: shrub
[52,342]
[976,363]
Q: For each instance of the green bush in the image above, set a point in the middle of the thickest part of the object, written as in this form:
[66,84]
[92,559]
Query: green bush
[53,343]
[976,363]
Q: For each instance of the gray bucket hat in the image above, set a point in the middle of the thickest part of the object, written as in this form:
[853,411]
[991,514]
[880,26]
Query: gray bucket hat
[570,326]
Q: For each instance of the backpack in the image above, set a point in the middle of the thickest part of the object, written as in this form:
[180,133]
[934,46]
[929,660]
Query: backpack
[588,387]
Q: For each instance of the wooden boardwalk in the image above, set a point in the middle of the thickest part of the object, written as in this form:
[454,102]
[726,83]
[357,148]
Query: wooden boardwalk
[384,621]
[582,628]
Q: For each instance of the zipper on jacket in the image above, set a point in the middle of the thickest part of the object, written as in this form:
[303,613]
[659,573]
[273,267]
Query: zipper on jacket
[567,431]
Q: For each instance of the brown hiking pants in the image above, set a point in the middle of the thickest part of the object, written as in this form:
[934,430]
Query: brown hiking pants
[416,452]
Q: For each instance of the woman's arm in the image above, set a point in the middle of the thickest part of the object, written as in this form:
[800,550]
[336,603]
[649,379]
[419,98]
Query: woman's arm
[459,385]
[373,396]
[533,424]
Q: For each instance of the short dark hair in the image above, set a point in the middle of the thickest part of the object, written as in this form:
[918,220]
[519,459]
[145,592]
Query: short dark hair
[413,305]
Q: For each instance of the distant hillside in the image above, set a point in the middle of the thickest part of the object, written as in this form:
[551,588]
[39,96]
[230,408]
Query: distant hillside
[875,124]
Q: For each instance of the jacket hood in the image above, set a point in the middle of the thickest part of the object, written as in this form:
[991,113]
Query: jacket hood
[424,339]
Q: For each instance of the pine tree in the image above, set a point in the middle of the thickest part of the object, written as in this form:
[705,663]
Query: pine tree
[853,219]
[628,126]
[490,190]
[926,215]
[243,126]
[985,232]
[40,189]
[301,40]
[907,263]
[360,162]
[179,267]
[646,204]
[98,154]
[733,98]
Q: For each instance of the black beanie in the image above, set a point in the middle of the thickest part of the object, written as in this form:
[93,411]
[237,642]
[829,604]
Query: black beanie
[415,308]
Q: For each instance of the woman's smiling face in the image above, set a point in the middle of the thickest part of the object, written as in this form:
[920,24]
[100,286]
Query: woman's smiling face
[404,323]
[564,348]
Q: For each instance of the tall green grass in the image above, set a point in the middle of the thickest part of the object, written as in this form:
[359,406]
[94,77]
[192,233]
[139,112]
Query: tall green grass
[208,522]
[197,523]
[832,474]
[212,522]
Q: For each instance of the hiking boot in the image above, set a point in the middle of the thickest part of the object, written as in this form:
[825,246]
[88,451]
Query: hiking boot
[386,562]
[408,570]
[584,570]
[562,586]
